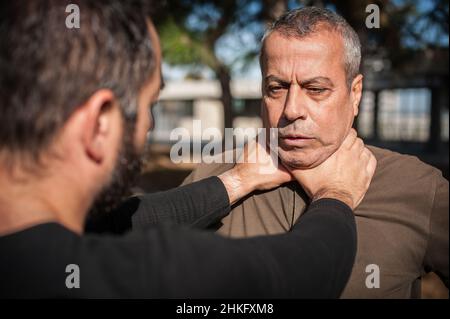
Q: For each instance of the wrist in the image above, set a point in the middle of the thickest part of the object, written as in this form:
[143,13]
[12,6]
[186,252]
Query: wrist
[340,195]
[236,184]
[246,181]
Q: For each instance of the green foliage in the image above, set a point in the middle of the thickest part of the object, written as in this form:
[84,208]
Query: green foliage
[182,47]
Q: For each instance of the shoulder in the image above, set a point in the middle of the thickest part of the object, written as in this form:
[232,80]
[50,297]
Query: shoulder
[204,170]
[401,165]
[399,176]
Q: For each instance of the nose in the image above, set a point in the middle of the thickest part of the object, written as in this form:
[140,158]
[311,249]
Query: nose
[294,108]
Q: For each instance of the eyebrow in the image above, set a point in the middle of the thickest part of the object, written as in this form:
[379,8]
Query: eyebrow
[276,79]
[302,83]
[324,79]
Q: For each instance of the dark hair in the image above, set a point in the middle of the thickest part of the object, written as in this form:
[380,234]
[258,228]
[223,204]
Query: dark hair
[308,20]
[47,70]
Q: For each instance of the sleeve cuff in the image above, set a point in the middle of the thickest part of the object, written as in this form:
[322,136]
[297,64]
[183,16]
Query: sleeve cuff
[332,204]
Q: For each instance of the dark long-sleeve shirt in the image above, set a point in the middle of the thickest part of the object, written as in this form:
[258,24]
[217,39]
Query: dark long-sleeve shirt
[313,260]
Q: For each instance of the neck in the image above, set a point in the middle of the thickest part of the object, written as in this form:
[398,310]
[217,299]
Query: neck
[27,200]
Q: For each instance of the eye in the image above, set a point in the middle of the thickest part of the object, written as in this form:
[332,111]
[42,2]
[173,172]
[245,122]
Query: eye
[274,89]
[316,90]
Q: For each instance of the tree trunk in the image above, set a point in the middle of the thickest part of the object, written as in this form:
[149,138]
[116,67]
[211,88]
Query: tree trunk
[223,74]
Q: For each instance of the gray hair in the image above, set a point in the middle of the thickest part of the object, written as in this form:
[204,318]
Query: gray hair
[308,20]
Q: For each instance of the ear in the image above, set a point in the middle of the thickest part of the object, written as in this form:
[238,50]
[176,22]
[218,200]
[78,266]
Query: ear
[101,121]
[356,93]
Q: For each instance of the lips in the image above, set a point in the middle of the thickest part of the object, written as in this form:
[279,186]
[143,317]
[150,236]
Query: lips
[296,140]
[296,136]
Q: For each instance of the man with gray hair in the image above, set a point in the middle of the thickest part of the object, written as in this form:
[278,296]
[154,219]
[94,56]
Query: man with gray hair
[311,92]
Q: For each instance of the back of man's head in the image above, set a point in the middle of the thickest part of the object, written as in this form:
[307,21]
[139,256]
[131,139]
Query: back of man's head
[47,69]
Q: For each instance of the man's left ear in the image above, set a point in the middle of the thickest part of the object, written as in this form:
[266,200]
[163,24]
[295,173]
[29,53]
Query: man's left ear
[356,93]
[101,124]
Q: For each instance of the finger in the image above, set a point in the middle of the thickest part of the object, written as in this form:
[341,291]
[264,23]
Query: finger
[372,165]
[365,155]
[367,151]
[349,139]
[358,146]
[242,153]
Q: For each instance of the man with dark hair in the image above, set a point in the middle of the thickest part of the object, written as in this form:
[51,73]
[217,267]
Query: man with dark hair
[311,91]
[74,117]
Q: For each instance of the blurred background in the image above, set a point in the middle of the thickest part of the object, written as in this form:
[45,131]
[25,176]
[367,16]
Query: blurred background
[211,70]
[212,74]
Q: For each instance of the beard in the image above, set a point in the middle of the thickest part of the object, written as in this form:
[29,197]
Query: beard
[125,174]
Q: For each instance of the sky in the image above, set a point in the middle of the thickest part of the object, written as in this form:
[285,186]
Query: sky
[231,45]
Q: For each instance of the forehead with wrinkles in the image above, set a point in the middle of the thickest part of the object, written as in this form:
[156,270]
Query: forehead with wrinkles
[291,58]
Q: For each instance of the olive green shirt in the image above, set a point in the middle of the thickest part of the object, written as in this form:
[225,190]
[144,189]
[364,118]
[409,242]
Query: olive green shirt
[402,224]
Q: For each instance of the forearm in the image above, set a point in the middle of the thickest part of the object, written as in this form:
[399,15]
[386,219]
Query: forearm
[313,260]
[199,205]
[319,254]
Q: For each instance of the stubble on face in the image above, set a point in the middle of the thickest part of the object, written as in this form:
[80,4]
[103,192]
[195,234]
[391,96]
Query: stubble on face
[305,96]
[124,175]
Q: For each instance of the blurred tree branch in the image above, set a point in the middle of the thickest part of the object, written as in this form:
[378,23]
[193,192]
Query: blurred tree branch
[193,31]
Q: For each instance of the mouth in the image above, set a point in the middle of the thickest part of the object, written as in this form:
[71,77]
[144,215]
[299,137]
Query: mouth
[296,140]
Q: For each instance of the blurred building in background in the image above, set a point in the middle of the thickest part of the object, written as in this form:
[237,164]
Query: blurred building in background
[396,113]
[211,49]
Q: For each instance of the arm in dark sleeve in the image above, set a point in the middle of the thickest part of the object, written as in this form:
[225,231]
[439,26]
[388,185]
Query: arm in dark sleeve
[313,260]
[198,205]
